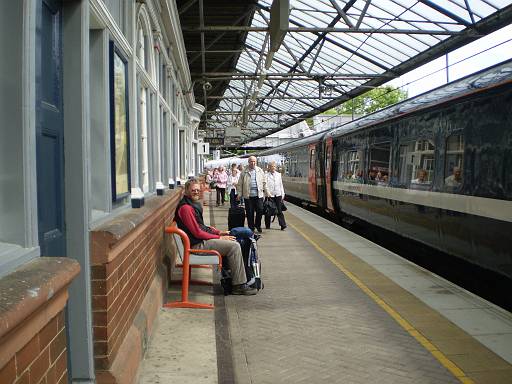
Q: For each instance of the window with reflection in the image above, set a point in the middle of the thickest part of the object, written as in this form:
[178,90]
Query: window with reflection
[141,44]
[355,166]
[416,164]
[119,140]
[342,175]
[378,172]
[454,160]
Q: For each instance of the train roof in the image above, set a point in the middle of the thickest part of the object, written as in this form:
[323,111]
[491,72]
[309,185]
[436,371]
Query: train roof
[487,78]
[294,143]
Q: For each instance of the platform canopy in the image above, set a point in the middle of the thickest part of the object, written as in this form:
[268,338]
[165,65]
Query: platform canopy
[261,66]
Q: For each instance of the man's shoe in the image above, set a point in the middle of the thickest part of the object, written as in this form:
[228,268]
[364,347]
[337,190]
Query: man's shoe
[244,289]
[259,229]
[283,227]
[267,226]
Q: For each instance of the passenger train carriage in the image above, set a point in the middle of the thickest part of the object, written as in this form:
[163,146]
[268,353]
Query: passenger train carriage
[435,170]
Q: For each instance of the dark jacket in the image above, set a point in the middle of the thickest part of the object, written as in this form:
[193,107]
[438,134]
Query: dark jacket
[198,210]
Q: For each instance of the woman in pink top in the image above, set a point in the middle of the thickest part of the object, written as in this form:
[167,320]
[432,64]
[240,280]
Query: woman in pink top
[221,179]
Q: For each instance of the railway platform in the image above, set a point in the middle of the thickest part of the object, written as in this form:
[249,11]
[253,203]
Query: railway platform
[336,308]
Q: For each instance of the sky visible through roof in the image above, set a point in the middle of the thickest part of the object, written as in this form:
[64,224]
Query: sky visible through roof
[314,69]
[483,53]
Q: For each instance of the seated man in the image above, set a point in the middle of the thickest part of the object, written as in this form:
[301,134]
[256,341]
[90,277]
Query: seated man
[189,217]
[421,182]
[454,181]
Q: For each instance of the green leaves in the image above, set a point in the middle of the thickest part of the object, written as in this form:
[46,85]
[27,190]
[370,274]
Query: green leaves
[371,101]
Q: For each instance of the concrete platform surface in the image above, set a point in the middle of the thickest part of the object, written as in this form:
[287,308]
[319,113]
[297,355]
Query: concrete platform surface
[335,309]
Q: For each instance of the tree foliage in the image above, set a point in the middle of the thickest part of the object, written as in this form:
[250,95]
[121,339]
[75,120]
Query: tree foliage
[372,101]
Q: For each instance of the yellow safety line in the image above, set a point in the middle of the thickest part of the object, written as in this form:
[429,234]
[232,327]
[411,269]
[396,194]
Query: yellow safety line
[445,361]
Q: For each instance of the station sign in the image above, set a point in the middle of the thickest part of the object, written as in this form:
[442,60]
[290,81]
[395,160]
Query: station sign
[203,148]
[214,141]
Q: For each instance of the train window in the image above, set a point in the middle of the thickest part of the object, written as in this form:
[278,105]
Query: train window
[454,157]
[355,166]
[378,172]
[416,164]
[293,165]
[341,167]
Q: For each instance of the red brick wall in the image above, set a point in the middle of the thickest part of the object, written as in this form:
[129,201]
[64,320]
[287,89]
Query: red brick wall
[32,323]
[127,255]
[43,358]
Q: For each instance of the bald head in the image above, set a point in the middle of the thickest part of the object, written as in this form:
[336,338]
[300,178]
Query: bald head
[252,162]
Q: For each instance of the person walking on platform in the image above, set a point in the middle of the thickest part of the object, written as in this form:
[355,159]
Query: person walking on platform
[252,187]
[221,180]
[189,218]
[232,182]
[276,191]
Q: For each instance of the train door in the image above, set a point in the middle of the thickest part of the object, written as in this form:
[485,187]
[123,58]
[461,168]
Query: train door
[313,196]
[328,174]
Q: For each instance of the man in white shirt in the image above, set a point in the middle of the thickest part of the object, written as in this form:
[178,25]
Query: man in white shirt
[276,191]
[252,187]
[454,181]
[421,182]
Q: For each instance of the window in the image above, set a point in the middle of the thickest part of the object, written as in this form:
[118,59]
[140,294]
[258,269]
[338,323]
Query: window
[342,174]
[355,166]
[143,140]
[378,172]
[416,164]
[454,159]
[141,45]
[119,137]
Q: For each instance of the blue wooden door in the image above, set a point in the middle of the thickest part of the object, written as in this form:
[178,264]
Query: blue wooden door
[49,129]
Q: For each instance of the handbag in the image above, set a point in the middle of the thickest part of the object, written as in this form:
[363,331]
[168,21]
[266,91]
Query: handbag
[269,208]
[213,185]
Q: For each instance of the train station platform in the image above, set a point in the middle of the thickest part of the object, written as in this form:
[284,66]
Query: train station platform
[336,308]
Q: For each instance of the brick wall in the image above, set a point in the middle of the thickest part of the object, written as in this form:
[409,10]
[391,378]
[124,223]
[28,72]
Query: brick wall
[43,358]
[32,322]
[127,255]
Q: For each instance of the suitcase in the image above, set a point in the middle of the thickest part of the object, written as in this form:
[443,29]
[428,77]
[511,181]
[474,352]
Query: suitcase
[252,265]
[236,217]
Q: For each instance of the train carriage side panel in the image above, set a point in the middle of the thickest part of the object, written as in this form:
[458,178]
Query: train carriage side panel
[295,178]
[469,134]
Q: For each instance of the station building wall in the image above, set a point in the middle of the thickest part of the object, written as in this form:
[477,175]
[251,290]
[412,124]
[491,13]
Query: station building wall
[94,103]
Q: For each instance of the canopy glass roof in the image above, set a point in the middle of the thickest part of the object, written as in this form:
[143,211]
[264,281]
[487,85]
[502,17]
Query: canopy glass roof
[332,51]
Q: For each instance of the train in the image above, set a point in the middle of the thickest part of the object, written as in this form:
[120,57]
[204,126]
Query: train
[430,176]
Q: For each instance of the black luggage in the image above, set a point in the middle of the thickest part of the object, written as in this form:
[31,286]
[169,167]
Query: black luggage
[252,265]
[252,262]
[236,217]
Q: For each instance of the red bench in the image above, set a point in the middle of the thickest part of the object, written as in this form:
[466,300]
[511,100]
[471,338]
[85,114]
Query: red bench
[191,258]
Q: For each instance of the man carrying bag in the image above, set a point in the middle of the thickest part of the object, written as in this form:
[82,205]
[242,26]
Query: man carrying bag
[252,187]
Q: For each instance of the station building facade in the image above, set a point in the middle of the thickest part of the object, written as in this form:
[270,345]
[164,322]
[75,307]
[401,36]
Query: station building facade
[95,103]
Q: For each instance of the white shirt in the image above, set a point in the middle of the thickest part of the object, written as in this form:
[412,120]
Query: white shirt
[233,181]
[254,184]
[275,184]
